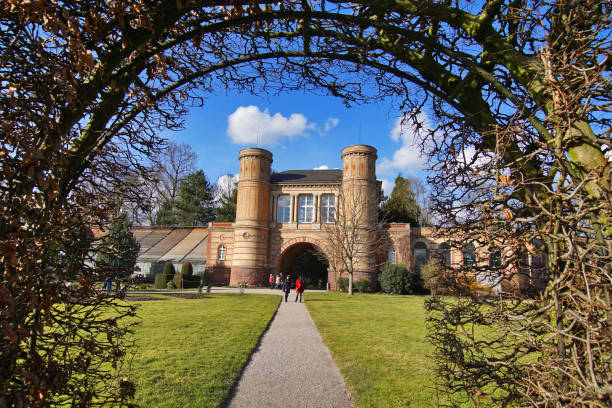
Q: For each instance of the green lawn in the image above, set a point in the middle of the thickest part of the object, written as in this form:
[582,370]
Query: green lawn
[191,351]
[379,345]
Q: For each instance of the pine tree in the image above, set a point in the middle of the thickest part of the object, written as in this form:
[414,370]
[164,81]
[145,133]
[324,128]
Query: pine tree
[118,249]
[194,205]
[227,210]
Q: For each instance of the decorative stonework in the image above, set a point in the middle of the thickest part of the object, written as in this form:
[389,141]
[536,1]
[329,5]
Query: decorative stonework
[257,244]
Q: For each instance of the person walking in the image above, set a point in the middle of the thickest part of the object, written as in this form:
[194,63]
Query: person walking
[271,280]
[299,289]
[278,281]
[287,287]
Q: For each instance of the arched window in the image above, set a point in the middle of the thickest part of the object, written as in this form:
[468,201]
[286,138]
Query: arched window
[391,256]
[283,208]
[222,252]
[469,254]
[328,208]
[420,254]
[444,254]
[305,208]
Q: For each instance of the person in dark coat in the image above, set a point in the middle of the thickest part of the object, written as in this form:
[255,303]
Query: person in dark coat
[287,287]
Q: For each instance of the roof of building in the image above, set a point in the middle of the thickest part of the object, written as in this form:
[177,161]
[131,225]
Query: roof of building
[175,244]
[327,176]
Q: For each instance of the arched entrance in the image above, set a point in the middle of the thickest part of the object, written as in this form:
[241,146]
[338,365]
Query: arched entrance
[307,260]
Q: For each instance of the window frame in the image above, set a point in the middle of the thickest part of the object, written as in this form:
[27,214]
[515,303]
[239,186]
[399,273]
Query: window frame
[305,208]
[287,208]
[221,252]
[328,211]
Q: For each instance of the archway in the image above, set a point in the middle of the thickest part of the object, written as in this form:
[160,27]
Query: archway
[306,260]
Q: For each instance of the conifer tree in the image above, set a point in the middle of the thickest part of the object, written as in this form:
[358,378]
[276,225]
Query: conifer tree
[194,205]
[227,210]
[118,249]
[402,205]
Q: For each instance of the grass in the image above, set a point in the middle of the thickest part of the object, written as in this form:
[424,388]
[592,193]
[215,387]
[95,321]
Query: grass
[190,352]
[379,345]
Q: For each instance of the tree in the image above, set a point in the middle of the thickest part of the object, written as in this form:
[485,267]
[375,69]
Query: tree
[402,205]
[227,206]
[519,91]
[352,240]
[194,205]
[118,249]
[421,197]
[433,277]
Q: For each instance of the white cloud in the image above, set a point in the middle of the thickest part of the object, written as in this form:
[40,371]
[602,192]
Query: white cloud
[321,167]
[331,123]
[387,187]
[250,125]
[408,157]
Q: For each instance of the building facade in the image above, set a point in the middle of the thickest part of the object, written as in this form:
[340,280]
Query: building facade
[283,215]
[280,216]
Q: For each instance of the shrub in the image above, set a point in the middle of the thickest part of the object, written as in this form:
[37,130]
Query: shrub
[169,269]
[414,285]
[398,280]
[171,285]
[343,284]
[186,281]
[363,285]
[186,269]
[160,281]
[434,278]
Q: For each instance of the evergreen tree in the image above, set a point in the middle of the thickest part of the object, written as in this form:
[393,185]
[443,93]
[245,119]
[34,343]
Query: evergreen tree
[118,249]
[166,215]
[402,205]
[194,205]
[227,210]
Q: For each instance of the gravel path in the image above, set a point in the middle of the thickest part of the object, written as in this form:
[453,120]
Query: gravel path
[291,367]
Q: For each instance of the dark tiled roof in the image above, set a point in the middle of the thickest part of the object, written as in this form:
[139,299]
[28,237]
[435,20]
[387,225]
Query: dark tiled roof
[328,176]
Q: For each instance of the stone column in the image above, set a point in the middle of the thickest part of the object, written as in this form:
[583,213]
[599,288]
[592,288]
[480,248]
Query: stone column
[252,225]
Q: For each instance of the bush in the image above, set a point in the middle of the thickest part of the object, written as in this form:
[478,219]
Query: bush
[343,284]
[187,269]
[171,285]
[398,280]
[186,281]
[363,285]
[160,281]
[434,278]
[169,269]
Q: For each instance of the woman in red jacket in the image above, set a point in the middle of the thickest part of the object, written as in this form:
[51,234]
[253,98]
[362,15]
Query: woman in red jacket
[299,289]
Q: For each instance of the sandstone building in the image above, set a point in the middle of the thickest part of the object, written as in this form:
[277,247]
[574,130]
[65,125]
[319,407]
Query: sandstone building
[280,216]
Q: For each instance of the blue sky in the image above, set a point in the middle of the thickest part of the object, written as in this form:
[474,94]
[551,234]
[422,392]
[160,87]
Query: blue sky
[303,131]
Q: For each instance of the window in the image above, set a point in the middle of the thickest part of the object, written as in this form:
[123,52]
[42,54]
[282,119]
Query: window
[306,208]
[328,208]
[222,253]
[391,256]
[495,259]
[444,254]
[420,254]
[283,210]
[469,255]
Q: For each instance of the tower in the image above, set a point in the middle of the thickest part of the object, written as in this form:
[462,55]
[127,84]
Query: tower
[359,205]
[251,228]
